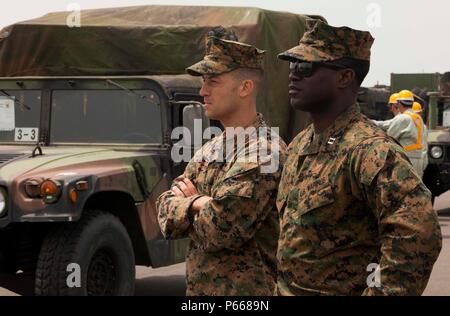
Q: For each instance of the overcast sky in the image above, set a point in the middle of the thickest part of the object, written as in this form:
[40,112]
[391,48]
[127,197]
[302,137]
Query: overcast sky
[409,34]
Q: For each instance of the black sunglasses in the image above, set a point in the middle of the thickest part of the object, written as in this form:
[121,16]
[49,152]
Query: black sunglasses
[307,69]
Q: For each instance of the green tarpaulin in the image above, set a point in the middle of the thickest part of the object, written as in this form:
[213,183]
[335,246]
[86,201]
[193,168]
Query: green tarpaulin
[151,40]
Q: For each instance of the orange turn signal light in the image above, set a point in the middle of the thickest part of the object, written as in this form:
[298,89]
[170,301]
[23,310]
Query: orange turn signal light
[73,196]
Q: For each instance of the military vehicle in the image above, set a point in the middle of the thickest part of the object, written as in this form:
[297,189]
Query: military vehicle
[87,115]
[432,90]
[372,101]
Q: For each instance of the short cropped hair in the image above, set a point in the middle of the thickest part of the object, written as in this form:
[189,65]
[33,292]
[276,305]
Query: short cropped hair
[256,75]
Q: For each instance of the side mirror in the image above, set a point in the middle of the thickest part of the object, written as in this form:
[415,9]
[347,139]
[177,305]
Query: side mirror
[195,122]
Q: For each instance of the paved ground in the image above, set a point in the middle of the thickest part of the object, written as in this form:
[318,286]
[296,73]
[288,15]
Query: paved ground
[170,280]
[165,281]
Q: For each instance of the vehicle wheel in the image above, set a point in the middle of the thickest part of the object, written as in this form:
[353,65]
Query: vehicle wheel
[101,247]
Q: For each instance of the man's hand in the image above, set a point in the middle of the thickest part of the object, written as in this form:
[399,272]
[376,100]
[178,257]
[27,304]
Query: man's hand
[184,187]
[200,203]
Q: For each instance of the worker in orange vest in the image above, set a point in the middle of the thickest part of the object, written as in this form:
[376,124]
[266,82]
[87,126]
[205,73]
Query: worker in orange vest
[408,128]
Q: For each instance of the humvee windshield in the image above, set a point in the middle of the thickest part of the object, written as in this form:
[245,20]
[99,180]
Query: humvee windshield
[19,121]
[444,113]
[83,116]
[105,116]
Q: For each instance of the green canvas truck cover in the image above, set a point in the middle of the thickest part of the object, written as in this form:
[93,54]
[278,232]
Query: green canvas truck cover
[152,40]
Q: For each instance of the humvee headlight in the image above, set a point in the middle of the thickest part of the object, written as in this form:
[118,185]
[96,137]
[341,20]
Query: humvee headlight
[436,152]
[2,202]
[50,191]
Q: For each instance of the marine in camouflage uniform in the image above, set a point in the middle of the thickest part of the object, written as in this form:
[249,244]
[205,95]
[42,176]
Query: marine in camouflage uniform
[349,197]
[234,236]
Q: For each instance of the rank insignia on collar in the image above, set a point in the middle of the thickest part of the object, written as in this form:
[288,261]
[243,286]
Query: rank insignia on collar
[331,141]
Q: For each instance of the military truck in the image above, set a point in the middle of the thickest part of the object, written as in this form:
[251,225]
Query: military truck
[372,101]
[86,122]
[432,90]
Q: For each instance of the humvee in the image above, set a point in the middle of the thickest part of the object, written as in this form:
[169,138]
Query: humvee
[436,175]
[86,121]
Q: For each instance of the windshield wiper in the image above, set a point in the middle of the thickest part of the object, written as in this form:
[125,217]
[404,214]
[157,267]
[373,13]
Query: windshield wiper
[23,105]
[118,85]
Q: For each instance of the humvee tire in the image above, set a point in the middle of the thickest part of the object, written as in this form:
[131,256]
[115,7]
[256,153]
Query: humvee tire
[100,245]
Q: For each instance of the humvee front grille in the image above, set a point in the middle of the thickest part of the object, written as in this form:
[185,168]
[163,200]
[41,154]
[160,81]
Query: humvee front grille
[447,153]
[4,158]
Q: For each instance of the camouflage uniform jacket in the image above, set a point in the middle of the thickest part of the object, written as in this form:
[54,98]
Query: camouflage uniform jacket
[349,197]
[234,237]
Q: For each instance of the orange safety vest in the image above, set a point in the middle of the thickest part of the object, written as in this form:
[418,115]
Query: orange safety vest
[417,119]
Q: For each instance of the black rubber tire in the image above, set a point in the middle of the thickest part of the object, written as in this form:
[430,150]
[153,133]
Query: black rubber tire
[100,245]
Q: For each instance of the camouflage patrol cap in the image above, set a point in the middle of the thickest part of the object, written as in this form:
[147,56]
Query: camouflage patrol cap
[322,42]
[225,55]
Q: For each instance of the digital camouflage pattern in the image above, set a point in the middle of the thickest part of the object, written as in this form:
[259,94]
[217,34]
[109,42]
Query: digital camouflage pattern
[234,237]
[349,197]
[225,55]
[322,42]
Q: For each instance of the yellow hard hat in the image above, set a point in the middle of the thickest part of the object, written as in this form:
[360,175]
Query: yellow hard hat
[393,98]
[417,108]
[405,95]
